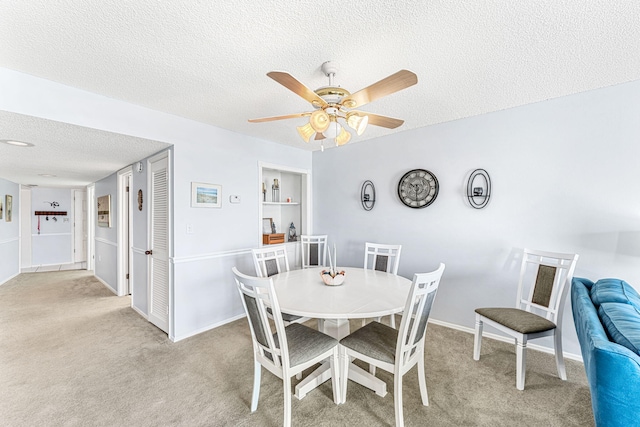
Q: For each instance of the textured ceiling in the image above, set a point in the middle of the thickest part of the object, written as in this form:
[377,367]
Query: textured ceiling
[76,155]
[208,60]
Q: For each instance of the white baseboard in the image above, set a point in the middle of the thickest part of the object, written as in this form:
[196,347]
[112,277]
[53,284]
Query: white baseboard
[570,356]
[208,328]
[140,312]
[9,278]
[106,285]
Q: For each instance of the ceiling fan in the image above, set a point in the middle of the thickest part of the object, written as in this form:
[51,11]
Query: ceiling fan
[333,104]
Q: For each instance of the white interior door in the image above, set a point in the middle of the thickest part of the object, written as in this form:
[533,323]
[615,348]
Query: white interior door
[79,226]
[159,244]
[124,231]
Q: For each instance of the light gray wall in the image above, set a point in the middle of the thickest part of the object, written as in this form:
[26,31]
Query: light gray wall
[106,238]
[9,232]
[54,243]
[204,290]
[563,173]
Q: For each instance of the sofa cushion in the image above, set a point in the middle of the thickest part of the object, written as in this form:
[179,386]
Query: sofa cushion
[622,323]
[614,290]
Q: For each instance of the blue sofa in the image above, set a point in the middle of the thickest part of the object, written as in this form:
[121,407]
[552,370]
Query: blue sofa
[607,320]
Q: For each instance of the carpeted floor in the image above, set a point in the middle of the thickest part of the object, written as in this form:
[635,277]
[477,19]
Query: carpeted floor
[73,354]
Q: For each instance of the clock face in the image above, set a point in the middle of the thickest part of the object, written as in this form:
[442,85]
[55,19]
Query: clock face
[418,188]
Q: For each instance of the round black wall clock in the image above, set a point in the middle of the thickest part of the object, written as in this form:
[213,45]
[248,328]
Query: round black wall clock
[418,188]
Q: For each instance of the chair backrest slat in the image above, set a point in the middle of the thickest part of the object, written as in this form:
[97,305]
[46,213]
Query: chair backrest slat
[382,257]
[416,314]
[314,250]
[544,279]
[270,260]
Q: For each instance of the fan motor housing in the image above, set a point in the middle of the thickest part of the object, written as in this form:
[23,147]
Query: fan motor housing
[332,94]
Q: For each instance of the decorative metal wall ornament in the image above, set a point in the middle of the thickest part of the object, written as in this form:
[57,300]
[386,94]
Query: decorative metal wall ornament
[479,189]
[368,195]
[140,199]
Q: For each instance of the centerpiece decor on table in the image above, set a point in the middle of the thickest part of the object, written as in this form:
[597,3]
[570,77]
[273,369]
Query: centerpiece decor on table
[332,277]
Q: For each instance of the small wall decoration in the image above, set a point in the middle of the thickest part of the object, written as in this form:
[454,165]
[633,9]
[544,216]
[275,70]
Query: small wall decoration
[104,211]
[206,195]
[478,189]
[1,210]
[8,202]
[368,195]
[140,199]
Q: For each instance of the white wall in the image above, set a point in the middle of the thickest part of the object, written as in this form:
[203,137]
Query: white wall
[9,232]
[563,172]
[53,244]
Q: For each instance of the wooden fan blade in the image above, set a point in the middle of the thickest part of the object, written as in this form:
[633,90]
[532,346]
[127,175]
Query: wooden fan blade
[394,83]
[319,136]
[382,121]
[271,119]
[290,82]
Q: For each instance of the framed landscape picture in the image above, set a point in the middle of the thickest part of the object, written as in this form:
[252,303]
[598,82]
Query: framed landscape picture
[8,203]
[206,195]
[104,211]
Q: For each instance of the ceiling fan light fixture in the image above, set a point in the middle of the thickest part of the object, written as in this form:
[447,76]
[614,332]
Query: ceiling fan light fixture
[343,137]
[333,130]
[319,121]
[357,122]
[306,131]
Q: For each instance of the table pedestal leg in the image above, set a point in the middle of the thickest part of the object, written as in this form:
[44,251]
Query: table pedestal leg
[339,328]
[313,380]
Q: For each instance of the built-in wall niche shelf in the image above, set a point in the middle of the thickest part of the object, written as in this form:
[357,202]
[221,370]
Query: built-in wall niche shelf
[285,198]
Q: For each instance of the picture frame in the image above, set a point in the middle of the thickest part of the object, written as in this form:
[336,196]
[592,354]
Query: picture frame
[104,211]
[266,225]
[205,195]
[8,203]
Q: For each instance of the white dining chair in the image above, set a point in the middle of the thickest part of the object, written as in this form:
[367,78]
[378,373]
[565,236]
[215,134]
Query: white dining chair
[270,260]
[395,350]
[287,351]
[545,278]
[385,258]
[314,250]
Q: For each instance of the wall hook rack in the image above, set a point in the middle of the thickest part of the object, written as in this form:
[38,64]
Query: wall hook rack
[50,213]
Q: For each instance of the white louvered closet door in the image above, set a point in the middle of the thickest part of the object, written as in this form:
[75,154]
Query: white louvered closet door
[159,257]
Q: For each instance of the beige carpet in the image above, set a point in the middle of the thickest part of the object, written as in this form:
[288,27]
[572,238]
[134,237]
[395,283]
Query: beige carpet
[73,354]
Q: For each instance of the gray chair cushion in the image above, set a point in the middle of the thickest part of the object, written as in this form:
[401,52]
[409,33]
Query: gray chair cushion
[305,343]
[516,319]
[375,340]
[285,316]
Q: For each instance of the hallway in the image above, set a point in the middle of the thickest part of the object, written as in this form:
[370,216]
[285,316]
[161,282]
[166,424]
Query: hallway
[57,267]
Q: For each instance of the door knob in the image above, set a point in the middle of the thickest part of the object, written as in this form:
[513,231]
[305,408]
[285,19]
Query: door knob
[150,252]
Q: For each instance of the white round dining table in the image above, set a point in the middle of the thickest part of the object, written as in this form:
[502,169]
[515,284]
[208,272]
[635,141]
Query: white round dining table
[364,294]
